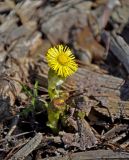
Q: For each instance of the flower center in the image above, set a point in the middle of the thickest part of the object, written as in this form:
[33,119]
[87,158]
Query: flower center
[62,59]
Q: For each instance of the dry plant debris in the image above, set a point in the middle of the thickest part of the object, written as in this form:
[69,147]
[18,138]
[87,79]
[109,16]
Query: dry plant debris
[96,122]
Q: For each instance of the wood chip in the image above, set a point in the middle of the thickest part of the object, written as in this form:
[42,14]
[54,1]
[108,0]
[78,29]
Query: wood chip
[28,148]
[120,49]
[97,154]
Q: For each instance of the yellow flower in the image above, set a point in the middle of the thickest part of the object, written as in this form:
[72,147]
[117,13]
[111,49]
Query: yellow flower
[61,60]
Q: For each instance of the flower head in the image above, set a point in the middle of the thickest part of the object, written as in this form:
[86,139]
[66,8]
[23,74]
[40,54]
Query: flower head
[61,60]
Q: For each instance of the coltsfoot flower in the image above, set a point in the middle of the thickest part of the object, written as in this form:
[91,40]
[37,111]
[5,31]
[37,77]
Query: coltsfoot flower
[61,60]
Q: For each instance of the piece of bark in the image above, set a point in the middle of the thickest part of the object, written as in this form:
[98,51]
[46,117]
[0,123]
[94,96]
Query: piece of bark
[113,107]
[62,17]
[88,45]
[120,49]
[118,138]
[87,138]
[22,47]
[83,103]
[125,144]
[120,15]
[94,83]
[97,154]
[4,8]
[69,139]
[82,139]
[28,148]
[25,10]
[115,131]
[105,87]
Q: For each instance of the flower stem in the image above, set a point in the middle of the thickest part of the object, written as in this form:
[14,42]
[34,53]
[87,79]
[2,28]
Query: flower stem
[54,83]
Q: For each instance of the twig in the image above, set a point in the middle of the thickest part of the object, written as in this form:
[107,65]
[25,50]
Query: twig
[15,136]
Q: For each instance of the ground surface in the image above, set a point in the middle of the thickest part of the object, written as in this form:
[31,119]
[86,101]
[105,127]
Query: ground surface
[98,34]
